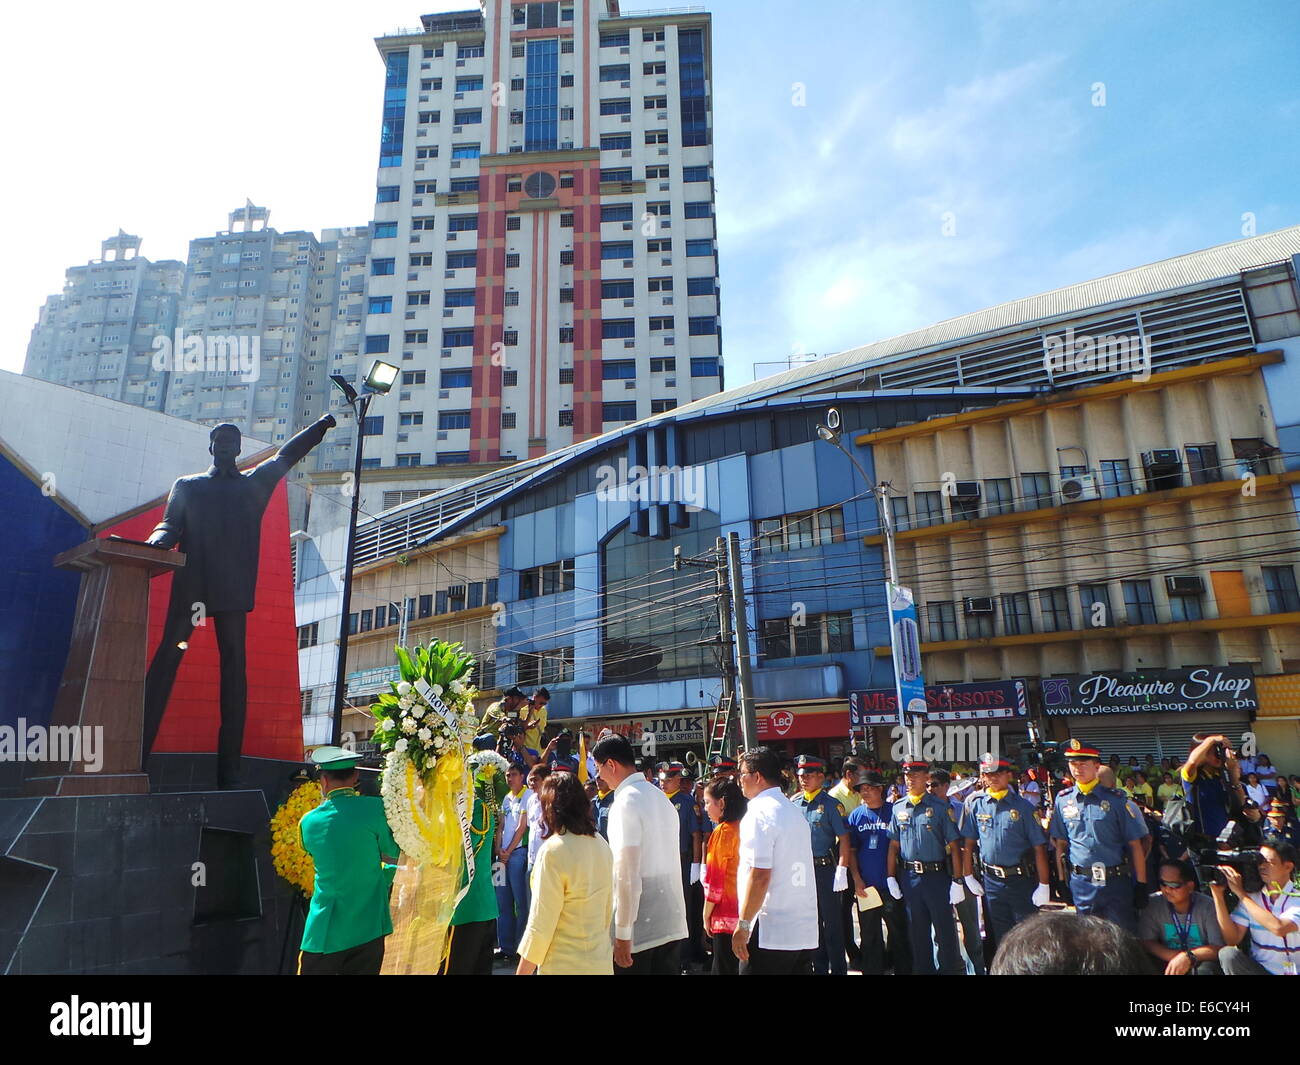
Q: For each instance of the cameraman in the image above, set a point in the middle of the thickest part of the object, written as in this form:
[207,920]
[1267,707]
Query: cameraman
[1210,792]
[506,709]
[1272,916]
[513,745]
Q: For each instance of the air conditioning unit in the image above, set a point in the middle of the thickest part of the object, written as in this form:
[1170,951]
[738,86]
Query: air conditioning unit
[966,490]
[978,605]
[1165,458]
[1080,488]
[1186,585]
[444,394]
[629,384]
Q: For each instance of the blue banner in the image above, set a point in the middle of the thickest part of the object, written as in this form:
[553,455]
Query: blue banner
[905,643]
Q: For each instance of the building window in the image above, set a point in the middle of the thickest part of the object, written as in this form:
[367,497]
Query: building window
[1054,609]
[379,305]
[566,334]
[613,142]
[373,425]
[426,606]
[470,83]
[388,194]
[620,173]
[618,370]
[1036,491]
[616,249]
[546,580]
[1185,608]
[1116,480]
[458,338]
[929,509]
[411,418]
[413,377]
[616,72]
[617,290]
[663,365]
[1138,603]
[460,223]
[820,634]
[458,297]
[409,459]
[659,406]
[702,326]
[510,337]
[307,635]
[367,620]
[617,328]
[999,498]
[898,513]
[659,284]
[382,267]
[704,367]
[1203,463]
[1016,618]
[616,107]
[566,417]
[695,173]
[616,212]
[566,257]
[701,286]
[941,621]
[509,378]
[416,336]
[618,412]
[544,667]
[463,184]
[451,458]
[566,375]
[507,419]
[1095,601]
[460,260]
[1280,586]
[793,532]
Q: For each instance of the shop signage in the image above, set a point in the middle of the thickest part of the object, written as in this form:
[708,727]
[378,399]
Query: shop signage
[787,725]
[1161,691]
[369,681]
[980,701]
[680,730]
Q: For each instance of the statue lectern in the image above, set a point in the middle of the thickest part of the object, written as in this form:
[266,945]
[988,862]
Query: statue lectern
[103,680]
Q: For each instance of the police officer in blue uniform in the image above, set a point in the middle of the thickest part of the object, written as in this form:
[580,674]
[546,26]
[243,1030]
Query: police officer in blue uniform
[690,846]
[1094,827]
[1006,827]
[831,858]
[923,833]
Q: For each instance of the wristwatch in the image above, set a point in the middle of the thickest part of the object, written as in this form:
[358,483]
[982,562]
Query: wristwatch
[744,926]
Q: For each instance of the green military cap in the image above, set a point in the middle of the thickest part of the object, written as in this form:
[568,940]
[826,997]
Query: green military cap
[335,759]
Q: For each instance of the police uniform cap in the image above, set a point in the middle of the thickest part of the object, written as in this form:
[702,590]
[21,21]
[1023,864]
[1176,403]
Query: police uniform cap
[1075,749]
[335,759]
[668,769]
[1277,806]
[916,766]
[991,764]
[721,761]
[810,762]
[867,777]
[560,766]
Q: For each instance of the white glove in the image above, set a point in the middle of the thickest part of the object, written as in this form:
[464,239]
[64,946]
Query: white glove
[976,888]
[841,878]
[894,889]
[1040,895]
[695,872]
[956,893]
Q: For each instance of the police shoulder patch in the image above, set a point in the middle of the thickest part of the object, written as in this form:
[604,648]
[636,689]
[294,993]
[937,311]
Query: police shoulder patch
[952,814]
[840,806]
[1132,810]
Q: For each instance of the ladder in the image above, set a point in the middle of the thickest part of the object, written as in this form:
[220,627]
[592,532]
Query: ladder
[720,734]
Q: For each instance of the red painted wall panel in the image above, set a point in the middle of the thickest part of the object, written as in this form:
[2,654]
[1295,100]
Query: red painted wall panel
[274,726]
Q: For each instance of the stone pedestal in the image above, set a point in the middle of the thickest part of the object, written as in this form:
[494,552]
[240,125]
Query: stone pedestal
[103,681]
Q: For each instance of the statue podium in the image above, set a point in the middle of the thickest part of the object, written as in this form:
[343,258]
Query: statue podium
[103,681]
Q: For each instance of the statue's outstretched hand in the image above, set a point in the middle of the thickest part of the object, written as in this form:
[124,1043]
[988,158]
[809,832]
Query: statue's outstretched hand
[328,421]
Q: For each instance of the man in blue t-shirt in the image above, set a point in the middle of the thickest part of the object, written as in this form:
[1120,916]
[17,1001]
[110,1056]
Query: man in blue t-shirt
[868,836]
[1211,780]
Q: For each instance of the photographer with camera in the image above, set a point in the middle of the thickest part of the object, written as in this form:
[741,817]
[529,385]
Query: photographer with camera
[1211,781]
[1271,914]
[1181,928]
[505,710]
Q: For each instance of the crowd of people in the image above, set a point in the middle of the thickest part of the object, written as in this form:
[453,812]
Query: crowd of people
[595,860]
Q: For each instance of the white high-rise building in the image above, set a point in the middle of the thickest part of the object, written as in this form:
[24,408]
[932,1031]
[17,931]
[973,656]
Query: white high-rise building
[98,335]
[543,261]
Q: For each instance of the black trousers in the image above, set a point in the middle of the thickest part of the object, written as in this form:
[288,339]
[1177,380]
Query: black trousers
[693,894]
[663,960]
[725,962]
[471,949]
[775,962]
[232,629]
[364,960]
[848,904]
[876,955]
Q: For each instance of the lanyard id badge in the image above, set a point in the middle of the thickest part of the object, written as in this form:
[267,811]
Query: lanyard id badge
[1099,873]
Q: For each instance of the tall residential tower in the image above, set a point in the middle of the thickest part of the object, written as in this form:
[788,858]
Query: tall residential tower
[544,263]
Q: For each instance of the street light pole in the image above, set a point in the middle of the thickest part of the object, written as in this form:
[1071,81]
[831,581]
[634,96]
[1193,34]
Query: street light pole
[360,405]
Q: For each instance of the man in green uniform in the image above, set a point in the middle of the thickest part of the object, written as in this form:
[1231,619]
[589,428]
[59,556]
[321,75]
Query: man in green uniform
[473,930]
[348,839]
[510,708]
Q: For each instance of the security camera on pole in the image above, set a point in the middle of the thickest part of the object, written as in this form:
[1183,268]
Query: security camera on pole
[904,633]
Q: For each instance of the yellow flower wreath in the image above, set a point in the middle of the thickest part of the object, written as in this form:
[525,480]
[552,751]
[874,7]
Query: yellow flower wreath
[292,862]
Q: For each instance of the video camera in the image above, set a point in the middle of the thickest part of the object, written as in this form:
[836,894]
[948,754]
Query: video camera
[505,737]
[1227,851]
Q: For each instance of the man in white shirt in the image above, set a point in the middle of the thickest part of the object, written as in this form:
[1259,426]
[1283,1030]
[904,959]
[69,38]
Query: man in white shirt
[777,932]
[512,851]
[649,910]
[533,811]
[1272,916]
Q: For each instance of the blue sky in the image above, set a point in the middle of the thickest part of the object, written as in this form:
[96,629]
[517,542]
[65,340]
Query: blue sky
[832,209]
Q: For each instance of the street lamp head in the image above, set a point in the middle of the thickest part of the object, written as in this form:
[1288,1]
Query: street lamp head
[829,435]
[381,377]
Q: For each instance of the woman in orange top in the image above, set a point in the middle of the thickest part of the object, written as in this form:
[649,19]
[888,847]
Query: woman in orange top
[725,804]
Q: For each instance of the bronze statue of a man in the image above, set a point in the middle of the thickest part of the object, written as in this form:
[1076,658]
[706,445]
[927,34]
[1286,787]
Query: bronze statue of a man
[216,518]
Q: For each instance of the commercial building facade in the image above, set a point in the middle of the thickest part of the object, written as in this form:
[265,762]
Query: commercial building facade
[1158,566]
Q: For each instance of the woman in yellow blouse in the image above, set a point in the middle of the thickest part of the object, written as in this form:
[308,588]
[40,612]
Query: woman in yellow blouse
[1138,785]
[1167,790]
[568,931]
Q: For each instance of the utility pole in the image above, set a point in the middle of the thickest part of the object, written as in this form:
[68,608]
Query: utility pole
[726,637]
[744,680]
